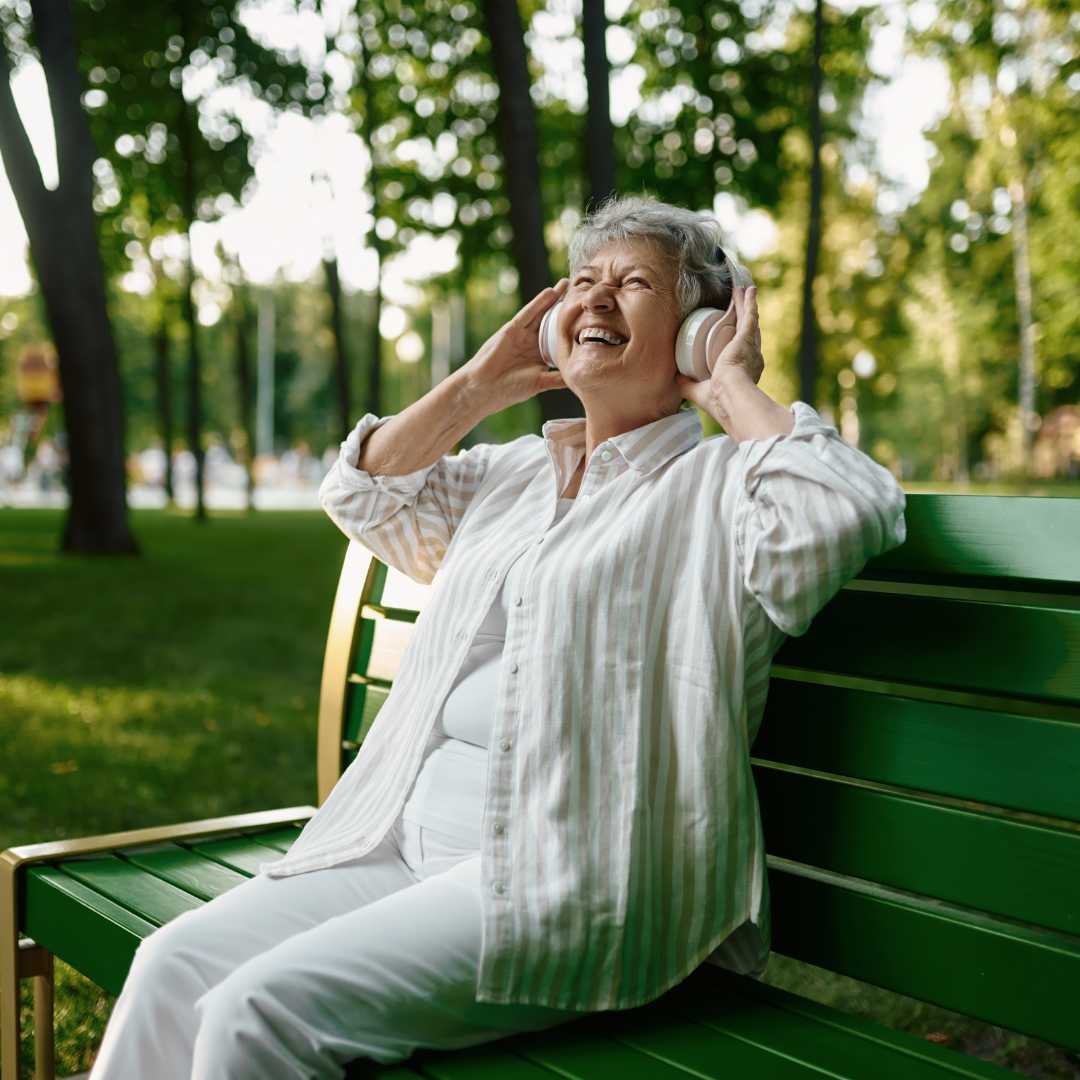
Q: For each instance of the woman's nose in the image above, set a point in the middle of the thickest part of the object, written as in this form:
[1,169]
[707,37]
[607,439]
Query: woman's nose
[599,296]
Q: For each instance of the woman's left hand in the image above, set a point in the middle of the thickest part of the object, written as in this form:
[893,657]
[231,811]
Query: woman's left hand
[742,353]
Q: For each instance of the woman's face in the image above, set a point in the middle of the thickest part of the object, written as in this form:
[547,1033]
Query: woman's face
[627,288]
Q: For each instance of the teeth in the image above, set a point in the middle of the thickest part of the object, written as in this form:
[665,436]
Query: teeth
[598,332]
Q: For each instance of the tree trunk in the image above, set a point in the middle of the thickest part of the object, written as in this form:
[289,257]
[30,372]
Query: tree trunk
[599,133]
[521,153]
[373,391]
[164,398]
[187,193]
[64,248]
[1029,417]
[245,394]
[808,344]
[467,336]
[337,328]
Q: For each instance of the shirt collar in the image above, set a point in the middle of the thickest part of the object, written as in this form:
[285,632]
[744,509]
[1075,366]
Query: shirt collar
[644,448]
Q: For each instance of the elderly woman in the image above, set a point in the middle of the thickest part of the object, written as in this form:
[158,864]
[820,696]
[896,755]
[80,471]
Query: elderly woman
[554,812]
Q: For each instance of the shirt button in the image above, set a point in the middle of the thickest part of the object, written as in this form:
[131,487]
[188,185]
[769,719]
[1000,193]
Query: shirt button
[505,744]
[500,828]
[605,455]
[541,540]
[460,635]
[513,667]
[519,601]
[498,888]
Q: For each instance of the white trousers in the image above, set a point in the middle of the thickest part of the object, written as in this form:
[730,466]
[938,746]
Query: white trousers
[295,977]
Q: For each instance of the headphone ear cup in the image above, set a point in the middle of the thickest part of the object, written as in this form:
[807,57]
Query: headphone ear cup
[696,339]
[706,331]
[549,335]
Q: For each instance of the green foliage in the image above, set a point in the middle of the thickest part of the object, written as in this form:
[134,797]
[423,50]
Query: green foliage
[929,290]
[167,157]
[718,101]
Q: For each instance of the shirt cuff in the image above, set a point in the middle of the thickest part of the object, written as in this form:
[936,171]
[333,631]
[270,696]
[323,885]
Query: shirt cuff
[405,485]
[807,424]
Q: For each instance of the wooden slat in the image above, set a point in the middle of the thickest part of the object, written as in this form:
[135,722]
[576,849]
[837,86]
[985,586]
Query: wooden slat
[991,536]
[363,705]
[828,1040]
[1000,972]
[280,839]
[140,892]
[241,853]
[961,855]
[580,1050]
[488,1061]
[186,869]
[1004,758]
[1013,651]
[85,929]
[387,611]
[708,1029]
[714,1025]
[380,645]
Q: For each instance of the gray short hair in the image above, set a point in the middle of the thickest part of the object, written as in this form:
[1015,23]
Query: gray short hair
[690,239]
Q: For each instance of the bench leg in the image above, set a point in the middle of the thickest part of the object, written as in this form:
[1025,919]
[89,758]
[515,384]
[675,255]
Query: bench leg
[9,1003]
[23,961]
[44,1056]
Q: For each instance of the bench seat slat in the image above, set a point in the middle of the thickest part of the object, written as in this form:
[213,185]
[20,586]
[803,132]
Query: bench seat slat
[959,854]
[281,839]
[241,853]
[829,1041]
[92,911]
[141,892]
[715,1025]
[1029,763]
[604,1046]
[187,870]
[712,1027]
[489,1061]
[960,960]
[80,926]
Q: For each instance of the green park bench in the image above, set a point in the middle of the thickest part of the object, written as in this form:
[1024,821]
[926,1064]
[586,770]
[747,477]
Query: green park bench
[918,770]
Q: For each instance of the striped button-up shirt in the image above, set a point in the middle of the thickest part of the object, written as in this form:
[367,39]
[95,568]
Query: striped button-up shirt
[621,836]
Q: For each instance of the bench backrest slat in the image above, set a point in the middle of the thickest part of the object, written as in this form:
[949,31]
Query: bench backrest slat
[1017,538]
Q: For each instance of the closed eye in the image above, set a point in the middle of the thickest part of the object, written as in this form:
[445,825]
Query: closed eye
[579,280]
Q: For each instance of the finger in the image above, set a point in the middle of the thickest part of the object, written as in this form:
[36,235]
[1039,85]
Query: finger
[737,299]
[534,310]
[750,311]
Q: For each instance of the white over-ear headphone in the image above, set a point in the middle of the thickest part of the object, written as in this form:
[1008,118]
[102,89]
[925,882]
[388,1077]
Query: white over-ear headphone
[701,338]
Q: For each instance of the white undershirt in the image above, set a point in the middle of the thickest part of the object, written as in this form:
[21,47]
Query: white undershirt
[448,794]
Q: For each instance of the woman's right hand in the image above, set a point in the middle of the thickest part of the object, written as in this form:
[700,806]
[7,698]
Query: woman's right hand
[508,367]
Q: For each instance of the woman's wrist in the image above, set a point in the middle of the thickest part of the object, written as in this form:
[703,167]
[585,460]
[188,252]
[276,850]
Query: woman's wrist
[744,410]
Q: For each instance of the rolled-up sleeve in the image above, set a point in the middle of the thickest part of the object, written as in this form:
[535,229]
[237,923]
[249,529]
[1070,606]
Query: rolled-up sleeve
[810,511]
[406,521]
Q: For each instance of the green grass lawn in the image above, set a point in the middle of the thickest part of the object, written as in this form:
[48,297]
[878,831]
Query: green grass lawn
[175,685]
[183,684]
